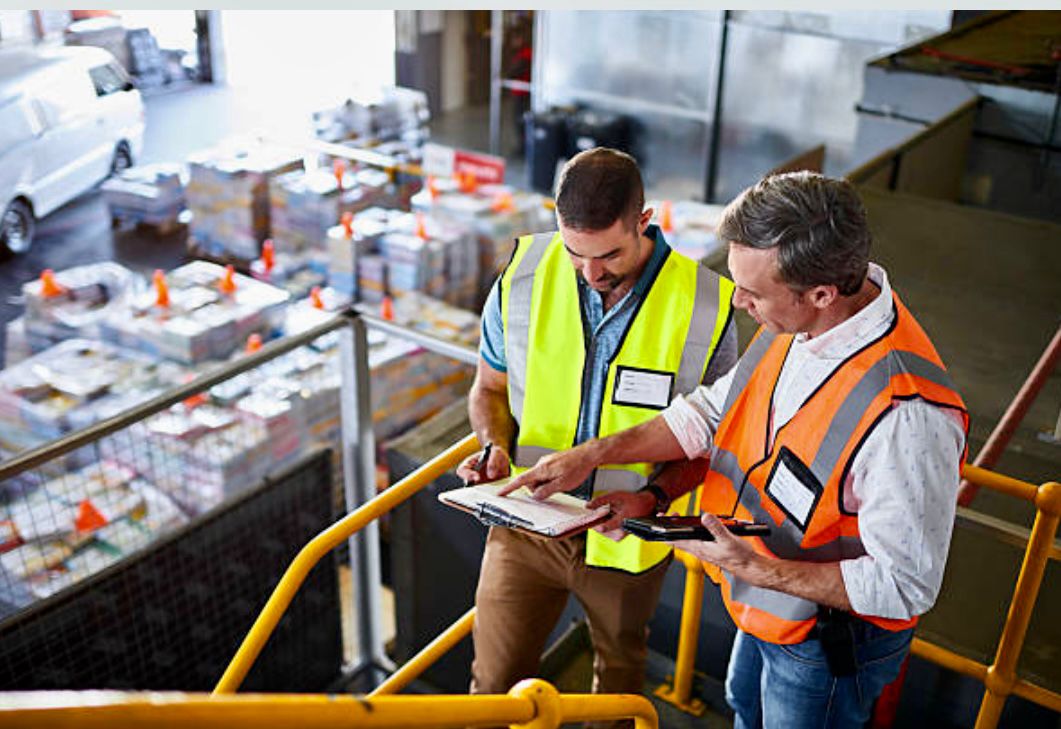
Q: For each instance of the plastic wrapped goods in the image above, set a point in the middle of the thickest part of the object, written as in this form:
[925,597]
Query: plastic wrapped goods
[228,194]
[75,301]
[152,194]
[304,205]
[208,313]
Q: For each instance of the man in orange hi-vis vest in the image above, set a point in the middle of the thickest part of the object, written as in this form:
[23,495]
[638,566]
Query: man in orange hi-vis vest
[840,429]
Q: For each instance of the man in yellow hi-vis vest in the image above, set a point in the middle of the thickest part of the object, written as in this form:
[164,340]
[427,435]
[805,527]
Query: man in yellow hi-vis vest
[589,331]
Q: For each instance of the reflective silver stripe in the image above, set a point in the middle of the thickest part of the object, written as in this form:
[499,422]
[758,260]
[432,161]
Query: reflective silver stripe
[850,413]
[701,332]
[745,367]
[784,539]
[517,326]
[526,456]
[614,479]
[605,479]
[778,604]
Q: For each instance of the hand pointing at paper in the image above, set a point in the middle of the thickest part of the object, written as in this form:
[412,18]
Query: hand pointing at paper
[556,472]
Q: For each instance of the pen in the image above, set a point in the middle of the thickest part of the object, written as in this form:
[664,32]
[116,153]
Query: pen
[484,459]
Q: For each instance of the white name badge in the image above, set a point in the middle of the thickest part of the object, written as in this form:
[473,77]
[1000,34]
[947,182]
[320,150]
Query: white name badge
[642,388]
[794,488]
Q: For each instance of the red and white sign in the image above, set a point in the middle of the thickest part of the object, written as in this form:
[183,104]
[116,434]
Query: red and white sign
[449,162]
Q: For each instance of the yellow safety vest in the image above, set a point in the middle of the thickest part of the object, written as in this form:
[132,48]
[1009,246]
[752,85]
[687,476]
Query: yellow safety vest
[670,341]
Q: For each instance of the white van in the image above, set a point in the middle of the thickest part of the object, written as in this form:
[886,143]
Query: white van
[69,117]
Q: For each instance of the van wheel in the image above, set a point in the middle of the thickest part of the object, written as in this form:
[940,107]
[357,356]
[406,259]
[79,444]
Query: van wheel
[16,227]
[123,159]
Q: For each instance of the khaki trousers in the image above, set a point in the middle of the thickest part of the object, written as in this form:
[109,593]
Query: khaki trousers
[523,587]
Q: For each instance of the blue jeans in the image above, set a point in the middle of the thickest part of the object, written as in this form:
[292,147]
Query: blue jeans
[790,686]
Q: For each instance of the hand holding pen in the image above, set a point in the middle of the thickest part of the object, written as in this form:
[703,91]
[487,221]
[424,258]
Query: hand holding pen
[490,464]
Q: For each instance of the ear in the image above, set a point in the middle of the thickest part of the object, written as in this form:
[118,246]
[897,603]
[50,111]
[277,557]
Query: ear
[644,220]
[822,297]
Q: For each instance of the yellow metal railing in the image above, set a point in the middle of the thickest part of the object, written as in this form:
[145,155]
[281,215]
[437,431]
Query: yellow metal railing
[323,543]
[423,660]
[532,704]
[999,679]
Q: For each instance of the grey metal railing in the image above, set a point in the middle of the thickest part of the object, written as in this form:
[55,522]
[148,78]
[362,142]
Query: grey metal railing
[357,446]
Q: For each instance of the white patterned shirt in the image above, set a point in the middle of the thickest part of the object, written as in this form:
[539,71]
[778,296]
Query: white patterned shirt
[903,481]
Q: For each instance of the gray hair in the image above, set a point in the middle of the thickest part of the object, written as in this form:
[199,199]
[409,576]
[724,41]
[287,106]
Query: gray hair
[817,223]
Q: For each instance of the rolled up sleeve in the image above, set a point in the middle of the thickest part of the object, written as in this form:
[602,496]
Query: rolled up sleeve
[904,484]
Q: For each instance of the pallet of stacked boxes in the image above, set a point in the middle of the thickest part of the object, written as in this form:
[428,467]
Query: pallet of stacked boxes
[207,313]
[398,253]
[690,229]
[67,304]
[304,206]
[150,195]
[228,195]
[72,385]
[65,529]
[498,214]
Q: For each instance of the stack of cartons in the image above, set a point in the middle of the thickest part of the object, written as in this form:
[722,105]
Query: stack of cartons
[70,527]
[152,194]
[201,321]
[306,204]
[497,214]
[228,194]
[689,228]
[87,295]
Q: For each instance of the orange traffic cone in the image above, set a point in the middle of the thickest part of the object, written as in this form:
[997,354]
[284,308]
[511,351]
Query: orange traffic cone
[386,308]
[468,181]
[339,170]
[49,286]
[161,289]
[268,255]
[195,400]
[503,203]
[421,227]
[432,186]
[666,216]
[89,518]
[315,299]
[228,281]
[347,221]
[254,343]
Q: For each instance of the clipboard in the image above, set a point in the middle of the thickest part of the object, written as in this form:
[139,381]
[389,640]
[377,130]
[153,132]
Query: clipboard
[561,515]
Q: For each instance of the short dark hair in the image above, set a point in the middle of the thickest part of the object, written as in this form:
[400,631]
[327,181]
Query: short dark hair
[598,187]
[817,223]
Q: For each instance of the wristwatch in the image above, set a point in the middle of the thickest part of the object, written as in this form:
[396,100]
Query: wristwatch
[662,500]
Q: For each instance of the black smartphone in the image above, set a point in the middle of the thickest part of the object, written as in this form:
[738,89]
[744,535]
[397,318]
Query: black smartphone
[673,528]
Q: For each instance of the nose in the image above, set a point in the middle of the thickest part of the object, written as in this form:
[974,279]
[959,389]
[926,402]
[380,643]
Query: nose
[592,270]
[740,299]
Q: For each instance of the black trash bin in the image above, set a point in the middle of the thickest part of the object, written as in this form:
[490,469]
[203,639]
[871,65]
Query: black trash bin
[587,128]
[546,137]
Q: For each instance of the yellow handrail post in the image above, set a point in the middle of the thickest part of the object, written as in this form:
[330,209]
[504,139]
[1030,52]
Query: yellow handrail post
[423,660]
[323,543]
[1002,675]
[679,693]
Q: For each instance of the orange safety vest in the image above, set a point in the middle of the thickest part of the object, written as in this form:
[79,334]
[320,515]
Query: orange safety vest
[795,484]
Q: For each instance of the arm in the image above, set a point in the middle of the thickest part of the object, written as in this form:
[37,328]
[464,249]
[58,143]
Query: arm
[904,484]
[565,470]
[818,582]
[488,407]
[682,431]
[676,479]
[492,422]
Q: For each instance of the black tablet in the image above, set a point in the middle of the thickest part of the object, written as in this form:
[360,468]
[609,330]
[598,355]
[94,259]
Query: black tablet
[673,528]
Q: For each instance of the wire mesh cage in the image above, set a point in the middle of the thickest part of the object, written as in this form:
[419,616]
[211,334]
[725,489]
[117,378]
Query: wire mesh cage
[171,615]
